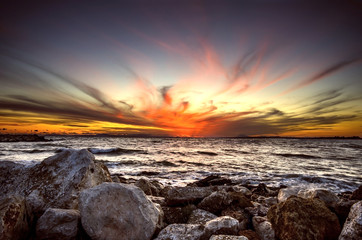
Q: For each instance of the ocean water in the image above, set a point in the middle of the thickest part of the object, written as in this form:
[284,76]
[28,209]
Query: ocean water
[335,164]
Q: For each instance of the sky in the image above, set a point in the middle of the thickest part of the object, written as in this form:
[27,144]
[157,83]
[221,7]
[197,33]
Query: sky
[182,68]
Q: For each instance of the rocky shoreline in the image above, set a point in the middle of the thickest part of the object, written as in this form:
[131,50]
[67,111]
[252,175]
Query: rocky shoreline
[72,196]
[22,138]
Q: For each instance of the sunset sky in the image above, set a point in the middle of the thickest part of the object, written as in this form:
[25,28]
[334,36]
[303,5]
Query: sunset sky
[181,68]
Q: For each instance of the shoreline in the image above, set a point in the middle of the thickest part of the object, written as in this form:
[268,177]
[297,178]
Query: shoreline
[72,185]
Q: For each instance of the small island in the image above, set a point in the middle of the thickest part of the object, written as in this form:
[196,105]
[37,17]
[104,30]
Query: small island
[22,138]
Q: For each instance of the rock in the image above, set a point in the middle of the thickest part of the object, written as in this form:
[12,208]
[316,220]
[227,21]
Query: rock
[199,216]
[149,188]
[257,210]
[217,201]
[211,180]
[328,197]
[158,200]
[227,237]
[178,214]
[352,229]
[239,214]
[57,180]
[251,235]
[58,224]
[357,194]
[342,209]
[263,228]
[261,189]
[182,232]
[222,225]
[185,195]
[299,218]
[118,211]
[284,193]
[13,218]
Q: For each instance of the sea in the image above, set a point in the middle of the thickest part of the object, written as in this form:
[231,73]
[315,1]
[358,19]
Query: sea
[335,164]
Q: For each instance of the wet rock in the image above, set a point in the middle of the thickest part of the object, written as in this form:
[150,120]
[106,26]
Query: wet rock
[352,229]
[211,180]
[251,235]
[58,180]
[268,201]
[182,232]
[178,214]
[148,187]
[328,197]
[199,216]
[227,237]
[13,218]
[357,194]
[185,195]
[307,219]
[285,193]
[263,228]
[58,224]
[218,201]
[222,225]
[118,211]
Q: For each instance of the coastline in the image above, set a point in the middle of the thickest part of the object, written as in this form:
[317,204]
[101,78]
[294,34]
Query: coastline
[210,208]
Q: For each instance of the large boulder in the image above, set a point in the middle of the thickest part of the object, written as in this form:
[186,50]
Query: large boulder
[328,197]
[352,229]
[185,195]
[118,211]
[182,232]
[307,219]
[58,224]
[13,218]
[56,181]
[199,216]
[263,228]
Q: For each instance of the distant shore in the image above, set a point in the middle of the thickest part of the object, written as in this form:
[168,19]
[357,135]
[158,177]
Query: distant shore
[22,138]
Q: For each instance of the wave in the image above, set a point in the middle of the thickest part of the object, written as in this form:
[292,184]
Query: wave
[207,153]
[35,151]
[295,155]
[115,151]
[193,163]
[166,163]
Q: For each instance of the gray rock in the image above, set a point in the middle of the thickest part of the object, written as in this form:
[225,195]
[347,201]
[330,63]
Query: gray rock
[199,216]
[182,232]
[149,187]
[185,195]
[56,181]
[228,237]
[118,211]
[328,197]
[58,224]
[13,218]
[222,225]
[352,229]
[263,228]
[285,193]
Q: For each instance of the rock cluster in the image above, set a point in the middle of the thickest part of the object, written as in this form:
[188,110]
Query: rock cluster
[72,196]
